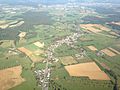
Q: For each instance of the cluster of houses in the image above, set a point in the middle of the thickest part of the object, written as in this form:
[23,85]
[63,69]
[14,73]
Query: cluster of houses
[43,76]
[40,77]
[69,40]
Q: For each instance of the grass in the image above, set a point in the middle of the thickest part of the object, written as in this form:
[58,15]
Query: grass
[65,50]
[32,47]
[99,41]
[9,62]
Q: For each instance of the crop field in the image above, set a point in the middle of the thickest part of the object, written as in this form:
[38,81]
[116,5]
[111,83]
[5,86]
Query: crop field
[36,58]
[68,60]
[22,34]
[10,24]
[92,48]
[95,28]
[92,71]
[16,25]
[24,50]
[112,49]
[108,52]
[33,52]
[117,23]
[10,77]
[39,44]
[6,43]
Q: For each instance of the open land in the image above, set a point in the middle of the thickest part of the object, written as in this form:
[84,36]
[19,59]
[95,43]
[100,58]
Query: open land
[68,60]
[92,71]
[10,77]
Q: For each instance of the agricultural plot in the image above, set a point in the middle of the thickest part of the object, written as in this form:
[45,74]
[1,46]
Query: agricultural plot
[10,77]
[114,33]
[17,24]
[32,47]
[33,52]
[6,43]
[92,48]
[117,23]
[114,50]
[68,60]
[85,39]
[95,28]
[39,44]
[92,71]
[10,24]
[22,34]
[36,58]
[3,24]
[24,50]
[108,52]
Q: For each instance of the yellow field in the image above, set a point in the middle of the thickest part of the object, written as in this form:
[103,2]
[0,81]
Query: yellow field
[22,34]
[18,24]
[2,22]
[68,60]
[117,23]
[117,52]
[38,52]
[114,33]
[92,48]
[39,44]
[34,56]
[10,77]
[24,50]
[95,28]
[90,70]
[5,24]
[85,39]
[108,52]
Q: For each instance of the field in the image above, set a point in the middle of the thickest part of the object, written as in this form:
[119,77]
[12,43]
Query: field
[26,51]
[68,60]
[10,77]
[108,52]
[95,28]
[16,25]
[92,71]
[6,43]
[22,34]
[112,49]
[39,44]
[10,24]
[32,53]
[114,33]
[117,23]
[92,48]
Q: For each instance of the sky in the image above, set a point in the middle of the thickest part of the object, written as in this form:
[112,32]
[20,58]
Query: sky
[53,1]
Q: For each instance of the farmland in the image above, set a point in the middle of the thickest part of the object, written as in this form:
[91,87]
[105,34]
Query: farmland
[11,77]
[66,46]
